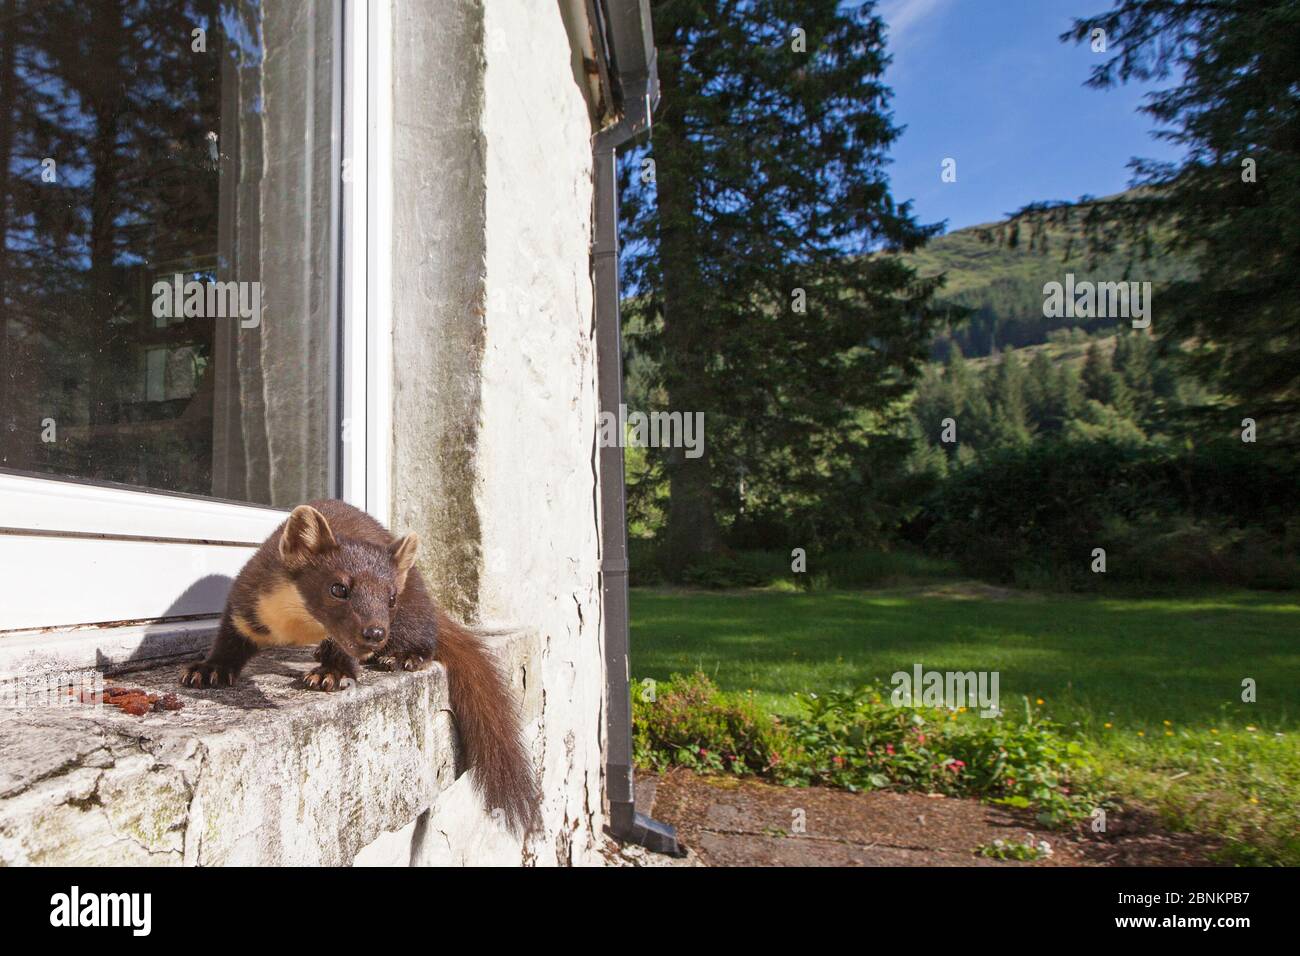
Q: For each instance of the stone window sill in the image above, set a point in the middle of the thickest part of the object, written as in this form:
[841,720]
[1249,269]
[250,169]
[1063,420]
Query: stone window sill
[265,773]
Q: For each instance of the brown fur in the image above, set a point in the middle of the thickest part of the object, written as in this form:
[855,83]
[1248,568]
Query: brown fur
[288,594]
[483,705]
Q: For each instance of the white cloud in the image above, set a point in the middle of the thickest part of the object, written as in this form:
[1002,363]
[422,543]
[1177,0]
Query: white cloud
[904,15]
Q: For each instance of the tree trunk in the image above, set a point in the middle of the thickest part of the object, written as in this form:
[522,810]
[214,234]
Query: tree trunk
[692,528]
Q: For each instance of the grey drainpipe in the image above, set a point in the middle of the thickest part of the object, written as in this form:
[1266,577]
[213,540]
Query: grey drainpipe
[630,47]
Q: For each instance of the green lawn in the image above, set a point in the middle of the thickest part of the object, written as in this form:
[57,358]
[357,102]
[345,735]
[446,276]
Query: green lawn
[1218,764]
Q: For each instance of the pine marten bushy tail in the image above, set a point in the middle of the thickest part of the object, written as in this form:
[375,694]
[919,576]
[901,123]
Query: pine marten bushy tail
[332,575]
[489,729]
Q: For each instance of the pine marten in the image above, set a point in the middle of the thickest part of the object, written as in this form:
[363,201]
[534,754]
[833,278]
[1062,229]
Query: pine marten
[332,575]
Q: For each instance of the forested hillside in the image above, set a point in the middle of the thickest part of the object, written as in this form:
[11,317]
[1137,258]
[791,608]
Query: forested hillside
[1001,282]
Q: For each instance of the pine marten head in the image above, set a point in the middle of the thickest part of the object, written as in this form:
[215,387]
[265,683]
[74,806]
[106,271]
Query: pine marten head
[351,587]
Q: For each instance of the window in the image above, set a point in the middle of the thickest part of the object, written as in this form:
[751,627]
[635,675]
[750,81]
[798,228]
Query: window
[167,270]
[182,338]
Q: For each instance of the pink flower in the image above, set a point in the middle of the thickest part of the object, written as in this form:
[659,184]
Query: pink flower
[889,749]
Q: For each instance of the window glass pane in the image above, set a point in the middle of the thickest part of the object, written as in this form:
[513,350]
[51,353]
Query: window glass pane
[167,269]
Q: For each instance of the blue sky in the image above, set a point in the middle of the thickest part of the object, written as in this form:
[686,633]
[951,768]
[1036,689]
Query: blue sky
[987,83]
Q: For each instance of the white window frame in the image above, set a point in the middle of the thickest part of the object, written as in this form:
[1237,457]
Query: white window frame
[97,575]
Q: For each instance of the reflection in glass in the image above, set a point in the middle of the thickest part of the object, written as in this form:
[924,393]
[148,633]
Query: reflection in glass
[167,265]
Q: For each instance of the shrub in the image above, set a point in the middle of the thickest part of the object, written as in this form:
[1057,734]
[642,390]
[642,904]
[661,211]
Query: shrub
[644,568]
[1029,849]
[724,571]
[1214,552]
[1217,514]
[858,740]
[688,722]
[825,569]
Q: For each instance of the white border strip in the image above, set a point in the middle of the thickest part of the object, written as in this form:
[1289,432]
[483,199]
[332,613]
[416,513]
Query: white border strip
[379,258]
[355,173]
[95,511]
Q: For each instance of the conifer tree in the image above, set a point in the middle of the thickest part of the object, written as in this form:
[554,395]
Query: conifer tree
[754,251]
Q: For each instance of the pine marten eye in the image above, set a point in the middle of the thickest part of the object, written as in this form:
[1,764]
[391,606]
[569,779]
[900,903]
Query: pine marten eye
[392,599]
[340,591]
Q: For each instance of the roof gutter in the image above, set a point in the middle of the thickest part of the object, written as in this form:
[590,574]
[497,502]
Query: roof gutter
[624,45]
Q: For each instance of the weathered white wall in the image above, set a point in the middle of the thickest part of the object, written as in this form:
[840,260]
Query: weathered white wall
[494,364]
[537,494]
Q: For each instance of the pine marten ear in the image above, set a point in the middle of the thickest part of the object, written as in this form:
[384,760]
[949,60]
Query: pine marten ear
[306,534]
[403,553]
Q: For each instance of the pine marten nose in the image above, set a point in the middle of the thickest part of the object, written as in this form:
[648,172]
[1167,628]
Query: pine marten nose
[374,634]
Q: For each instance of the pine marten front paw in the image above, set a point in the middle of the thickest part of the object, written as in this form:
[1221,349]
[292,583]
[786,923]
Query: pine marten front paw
[406,661]
[207,675]
[327,679]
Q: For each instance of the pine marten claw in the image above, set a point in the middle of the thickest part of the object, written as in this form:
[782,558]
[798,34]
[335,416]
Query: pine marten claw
[327,679]
[404,662]
[207,675]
